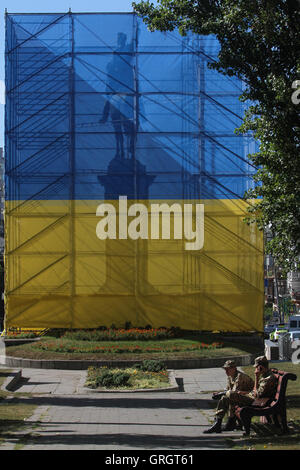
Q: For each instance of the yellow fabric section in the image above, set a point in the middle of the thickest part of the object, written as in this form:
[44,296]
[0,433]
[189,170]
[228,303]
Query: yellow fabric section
[60,274]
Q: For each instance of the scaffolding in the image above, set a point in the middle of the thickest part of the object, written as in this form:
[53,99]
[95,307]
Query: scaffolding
[97,107]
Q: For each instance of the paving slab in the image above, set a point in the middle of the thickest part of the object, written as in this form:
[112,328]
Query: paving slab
[68,417]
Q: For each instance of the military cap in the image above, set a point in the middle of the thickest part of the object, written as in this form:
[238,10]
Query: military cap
[261,361]
[229,364]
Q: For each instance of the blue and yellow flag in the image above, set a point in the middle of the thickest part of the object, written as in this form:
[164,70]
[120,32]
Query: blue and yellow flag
[125,180]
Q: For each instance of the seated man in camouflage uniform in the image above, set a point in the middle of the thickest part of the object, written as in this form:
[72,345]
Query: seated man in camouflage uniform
[264,387]
[237,382]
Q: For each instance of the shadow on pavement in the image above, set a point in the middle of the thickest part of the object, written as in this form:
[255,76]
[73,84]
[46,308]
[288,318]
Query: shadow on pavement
[119,402]
[134,441]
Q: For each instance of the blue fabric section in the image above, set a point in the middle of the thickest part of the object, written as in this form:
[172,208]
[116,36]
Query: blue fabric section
[97,107]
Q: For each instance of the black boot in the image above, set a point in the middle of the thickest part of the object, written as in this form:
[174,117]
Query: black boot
[230,425]
[216,427]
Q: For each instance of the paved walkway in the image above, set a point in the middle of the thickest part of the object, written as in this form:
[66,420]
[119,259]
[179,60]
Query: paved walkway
[70,417]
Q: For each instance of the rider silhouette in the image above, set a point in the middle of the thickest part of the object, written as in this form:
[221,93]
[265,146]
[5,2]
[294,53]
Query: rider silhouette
[120,105]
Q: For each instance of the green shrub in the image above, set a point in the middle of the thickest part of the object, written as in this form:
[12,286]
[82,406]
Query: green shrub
[150,365]
[121,378]
[106,378]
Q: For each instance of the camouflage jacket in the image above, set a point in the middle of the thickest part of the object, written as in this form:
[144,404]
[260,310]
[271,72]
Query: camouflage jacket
[240,382]
[267,385]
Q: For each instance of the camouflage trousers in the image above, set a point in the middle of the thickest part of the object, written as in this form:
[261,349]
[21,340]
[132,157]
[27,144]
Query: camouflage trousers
[227,403]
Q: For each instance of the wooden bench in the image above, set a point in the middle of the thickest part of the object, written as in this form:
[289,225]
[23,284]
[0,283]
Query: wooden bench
[270,410]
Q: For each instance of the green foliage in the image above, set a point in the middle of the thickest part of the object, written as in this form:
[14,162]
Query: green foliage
[130,378]
[121,379]
[19,334]
[268,312]
[103,342]
[103,377]
[26,336]
[64,345]
[259,43]
[123,334]
[151,366]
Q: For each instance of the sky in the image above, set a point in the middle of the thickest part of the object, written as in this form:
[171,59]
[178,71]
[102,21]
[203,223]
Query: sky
[48,6]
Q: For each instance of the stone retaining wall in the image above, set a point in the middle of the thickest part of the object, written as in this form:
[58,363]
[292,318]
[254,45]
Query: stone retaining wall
[82,365]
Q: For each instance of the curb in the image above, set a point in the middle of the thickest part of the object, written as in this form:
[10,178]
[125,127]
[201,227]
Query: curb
[174,387]
[18,341]
[16,362]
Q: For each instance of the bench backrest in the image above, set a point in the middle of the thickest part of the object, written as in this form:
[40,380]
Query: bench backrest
[279,391]
[282,380]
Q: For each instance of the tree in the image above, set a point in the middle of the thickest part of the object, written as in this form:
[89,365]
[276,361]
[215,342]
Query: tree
[259,43]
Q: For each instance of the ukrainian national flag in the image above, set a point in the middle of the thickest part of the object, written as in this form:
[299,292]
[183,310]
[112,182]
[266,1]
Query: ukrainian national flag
[104,128]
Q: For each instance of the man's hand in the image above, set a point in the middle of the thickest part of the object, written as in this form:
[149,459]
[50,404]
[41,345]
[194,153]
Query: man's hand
[218,395]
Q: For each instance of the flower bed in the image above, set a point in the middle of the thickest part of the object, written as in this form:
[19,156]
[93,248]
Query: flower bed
[123,334]
[19,334]
[70,347]
[149,374]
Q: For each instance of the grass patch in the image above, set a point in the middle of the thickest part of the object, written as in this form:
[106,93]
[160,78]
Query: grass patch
[188,346]
[267,437]
[13,411]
